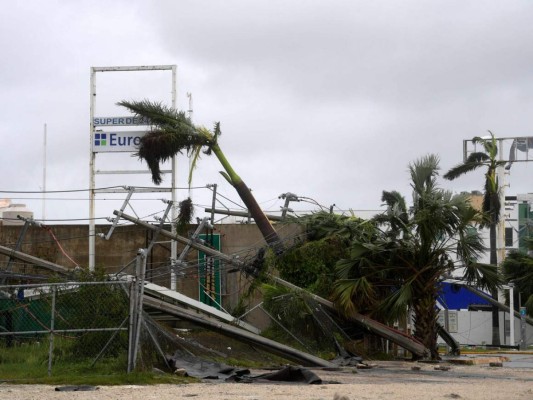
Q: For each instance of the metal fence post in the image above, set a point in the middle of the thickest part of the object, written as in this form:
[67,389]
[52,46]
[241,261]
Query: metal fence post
[523,339]
[137,299]
[86,316]
[133,313]
[52,320]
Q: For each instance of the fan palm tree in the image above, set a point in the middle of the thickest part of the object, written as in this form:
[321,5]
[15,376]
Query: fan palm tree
[401,265]
[172,133]
[486,159]
[518,268]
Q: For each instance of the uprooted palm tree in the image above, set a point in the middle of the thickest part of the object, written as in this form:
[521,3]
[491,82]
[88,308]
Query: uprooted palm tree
[173,132]
[491,201]
[400,266]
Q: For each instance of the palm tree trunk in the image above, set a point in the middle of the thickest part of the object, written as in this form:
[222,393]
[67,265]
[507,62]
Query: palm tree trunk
[263,223]
[494,294]
[426,324]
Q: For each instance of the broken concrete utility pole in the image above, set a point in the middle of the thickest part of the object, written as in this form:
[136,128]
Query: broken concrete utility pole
[34,260]
[377,328]
[407,342]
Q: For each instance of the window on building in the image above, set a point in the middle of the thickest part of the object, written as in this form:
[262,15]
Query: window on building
[508,237]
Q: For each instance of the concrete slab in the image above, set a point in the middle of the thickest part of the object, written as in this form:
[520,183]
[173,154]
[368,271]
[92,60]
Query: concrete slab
[477,360]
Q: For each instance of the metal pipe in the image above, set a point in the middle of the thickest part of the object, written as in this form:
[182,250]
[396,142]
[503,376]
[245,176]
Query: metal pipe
[82,330]
[52,321]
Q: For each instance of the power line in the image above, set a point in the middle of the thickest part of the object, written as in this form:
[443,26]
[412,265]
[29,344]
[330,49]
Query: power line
[88,190]
[76,198]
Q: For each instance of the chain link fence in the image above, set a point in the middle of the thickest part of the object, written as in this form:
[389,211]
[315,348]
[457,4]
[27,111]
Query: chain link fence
[82,322]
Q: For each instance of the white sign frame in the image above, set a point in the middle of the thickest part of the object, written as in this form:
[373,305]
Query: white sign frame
[92,158]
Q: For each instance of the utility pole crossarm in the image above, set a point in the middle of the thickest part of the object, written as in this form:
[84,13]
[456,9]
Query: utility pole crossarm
[183,240]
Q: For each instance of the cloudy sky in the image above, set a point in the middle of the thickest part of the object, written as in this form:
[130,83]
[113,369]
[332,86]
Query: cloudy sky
[330,100]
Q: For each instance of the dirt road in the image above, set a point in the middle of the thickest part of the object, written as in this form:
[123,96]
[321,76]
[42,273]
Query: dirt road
[387,380]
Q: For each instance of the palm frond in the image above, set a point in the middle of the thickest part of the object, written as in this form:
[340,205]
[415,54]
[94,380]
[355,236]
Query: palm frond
[518,267]
[214,140]
[216,132]
[157,113]
[194,157]
[423,174]
[185,214]
[490,145]
[394,198]
[350,294]
[474,161]
[395,305]
[172,132]
[485,276]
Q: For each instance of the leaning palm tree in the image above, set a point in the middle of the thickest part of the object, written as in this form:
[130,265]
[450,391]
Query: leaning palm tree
[486,159]
[172,132]
[401,265]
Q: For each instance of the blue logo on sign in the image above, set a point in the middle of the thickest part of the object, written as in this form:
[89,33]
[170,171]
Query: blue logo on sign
[100,139]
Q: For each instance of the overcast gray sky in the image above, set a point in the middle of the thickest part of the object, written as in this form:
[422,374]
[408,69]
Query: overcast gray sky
[326,99]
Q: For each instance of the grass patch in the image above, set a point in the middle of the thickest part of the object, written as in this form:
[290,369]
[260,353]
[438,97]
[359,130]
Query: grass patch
[27,363]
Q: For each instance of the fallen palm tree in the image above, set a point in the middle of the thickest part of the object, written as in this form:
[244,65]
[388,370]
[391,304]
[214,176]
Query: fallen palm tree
[377,328]
[172,132]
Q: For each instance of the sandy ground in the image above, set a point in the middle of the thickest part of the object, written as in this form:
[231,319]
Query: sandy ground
[387,380]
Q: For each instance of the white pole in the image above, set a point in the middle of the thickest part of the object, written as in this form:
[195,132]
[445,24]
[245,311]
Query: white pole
[92,185]
[174,214]
[501,223]
[44,176]
[511,314]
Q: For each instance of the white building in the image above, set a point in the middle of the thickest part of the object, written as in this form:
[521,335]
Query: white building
[518,214]
[10,211]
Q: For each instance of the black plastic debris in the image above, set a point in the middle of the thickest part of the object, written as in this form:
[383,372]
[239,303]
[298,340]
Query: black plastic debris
[209,370]
[288,374]
[76,388]
[348,361]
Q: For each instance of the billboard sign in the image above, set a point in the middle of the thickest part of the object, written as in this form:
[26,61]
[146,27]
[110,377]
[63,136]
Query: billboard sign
[113,142]
[209,273]
[120,121]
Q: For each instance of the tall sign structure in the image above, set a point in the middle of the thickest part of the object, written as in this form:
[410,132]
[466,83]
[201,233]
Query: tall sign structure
[518,148]
[114,140]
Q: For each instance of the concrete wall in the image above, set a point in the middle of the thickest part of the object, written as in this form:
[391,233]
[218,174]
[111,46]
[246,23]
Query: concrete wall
[241,240]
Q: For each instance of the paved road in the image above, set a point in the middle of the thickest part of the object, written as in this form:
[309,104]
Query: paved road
[520,360]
